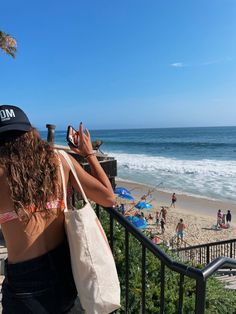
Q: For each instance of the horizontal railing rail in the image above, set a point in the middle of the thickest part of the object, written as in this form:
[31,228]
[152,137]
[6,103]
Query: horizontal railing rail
[199,275]
[205,253]
[218,263]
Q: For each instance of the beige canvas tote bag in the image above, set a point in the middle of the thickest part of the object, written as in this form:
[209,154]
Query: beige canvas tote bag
[93,265]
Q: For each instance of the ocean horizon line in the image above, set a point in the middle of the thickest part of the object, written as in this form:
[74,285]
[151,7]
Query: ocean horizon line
[151,128]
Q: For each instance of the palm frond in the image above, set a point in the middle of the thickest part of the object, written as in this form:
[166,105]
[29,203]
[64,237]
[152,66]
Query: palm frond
[8,44]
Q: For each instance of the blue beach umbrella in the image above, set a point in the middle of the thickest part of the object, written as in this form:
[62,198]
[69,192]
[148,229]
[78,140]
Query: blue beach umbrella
[143,205]
[123,193]
[138,222]
[121,190]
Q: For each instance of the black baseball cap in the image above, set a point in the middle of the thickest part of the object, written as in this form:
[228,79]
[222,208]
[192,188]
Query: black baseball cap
[12,118]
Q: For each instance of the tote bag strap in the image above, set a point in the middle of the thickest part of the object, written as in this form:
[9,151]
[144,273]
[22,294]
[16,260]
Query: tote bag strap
[62,178]
[72,168]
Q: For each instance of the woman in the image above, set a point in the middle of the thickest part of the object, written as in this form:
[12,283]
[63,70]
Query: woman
[38,277]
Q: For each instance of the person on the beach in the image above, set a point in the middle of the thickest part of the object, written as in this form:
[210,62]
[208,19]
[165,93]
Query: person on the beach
[122,208]
[173,200]
[180,230]
[228,217]
[143,198]
[158,215]
[155,239]
[162,225]
[219,218]
[143,217]
[150,217]
[164,213]
[223,218]
[38,275]
[131,212]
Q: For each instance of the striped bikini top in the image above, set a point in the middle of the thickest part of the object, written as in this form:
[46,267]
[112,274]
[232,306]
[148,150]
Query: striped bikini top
[8,216]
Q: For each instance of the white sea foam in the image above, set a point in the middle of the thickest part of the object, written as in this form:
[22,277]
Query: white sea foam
[209,178]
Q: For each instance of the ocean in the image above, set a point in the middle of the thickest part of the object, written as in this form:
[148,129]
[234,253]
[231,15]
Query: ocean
[193,161]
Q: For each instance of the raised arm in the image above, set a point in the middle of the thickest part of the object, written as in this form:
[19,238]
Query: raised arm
[97,186]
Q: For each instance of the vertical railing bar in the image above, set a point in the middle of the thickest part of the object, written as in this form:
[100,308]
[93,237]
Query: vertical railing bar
[73,198]
[111,232]
[143,280]
[208,257]
[126,271]
[200,296]
[162,296]
[97,209]
[181,293]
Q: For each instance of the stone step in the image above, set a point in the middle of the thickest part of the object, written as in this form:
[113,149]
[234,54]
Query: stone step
[226,271]
[229,281]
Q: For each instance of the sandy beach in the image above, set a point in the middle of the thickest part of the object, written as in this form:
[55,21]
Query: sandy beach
[198,214]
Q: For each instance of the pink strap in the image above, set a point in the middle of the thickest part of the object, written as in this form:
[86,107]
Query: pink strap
[5,217]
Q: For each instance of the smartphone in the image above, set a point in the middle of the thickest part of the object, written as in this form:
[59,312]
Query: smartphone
[72,136]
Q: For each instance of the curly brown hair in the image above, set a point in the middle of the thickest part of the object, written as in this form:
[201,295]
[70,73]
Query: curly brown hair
[32,172]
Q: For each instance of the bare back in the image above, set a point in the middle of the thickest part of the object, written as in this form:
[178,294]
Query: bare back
[41,234]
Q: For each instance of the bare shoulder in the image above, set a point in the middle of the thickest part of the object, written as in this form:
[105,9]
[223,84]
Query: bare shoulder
[64,163]
[74,161]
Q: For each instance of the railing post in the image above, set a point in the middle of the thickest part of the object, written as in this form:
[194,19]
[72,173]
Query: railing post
[111,232]
[97,210]
[51,133]
[208,254]
[181,293]
[200,296]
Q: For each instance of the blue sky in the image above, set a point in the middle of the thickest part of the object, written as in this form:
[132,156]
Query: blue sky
[121,64]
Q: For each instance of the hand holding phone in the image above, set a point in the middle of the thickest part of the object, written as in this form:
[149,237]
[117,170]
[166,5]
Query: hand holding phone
[80,141]
[72,137]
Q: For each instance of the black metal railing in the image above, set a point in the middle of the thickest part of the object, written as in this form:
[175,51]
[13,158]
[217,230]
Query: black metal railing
[205,253]
[200,276]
